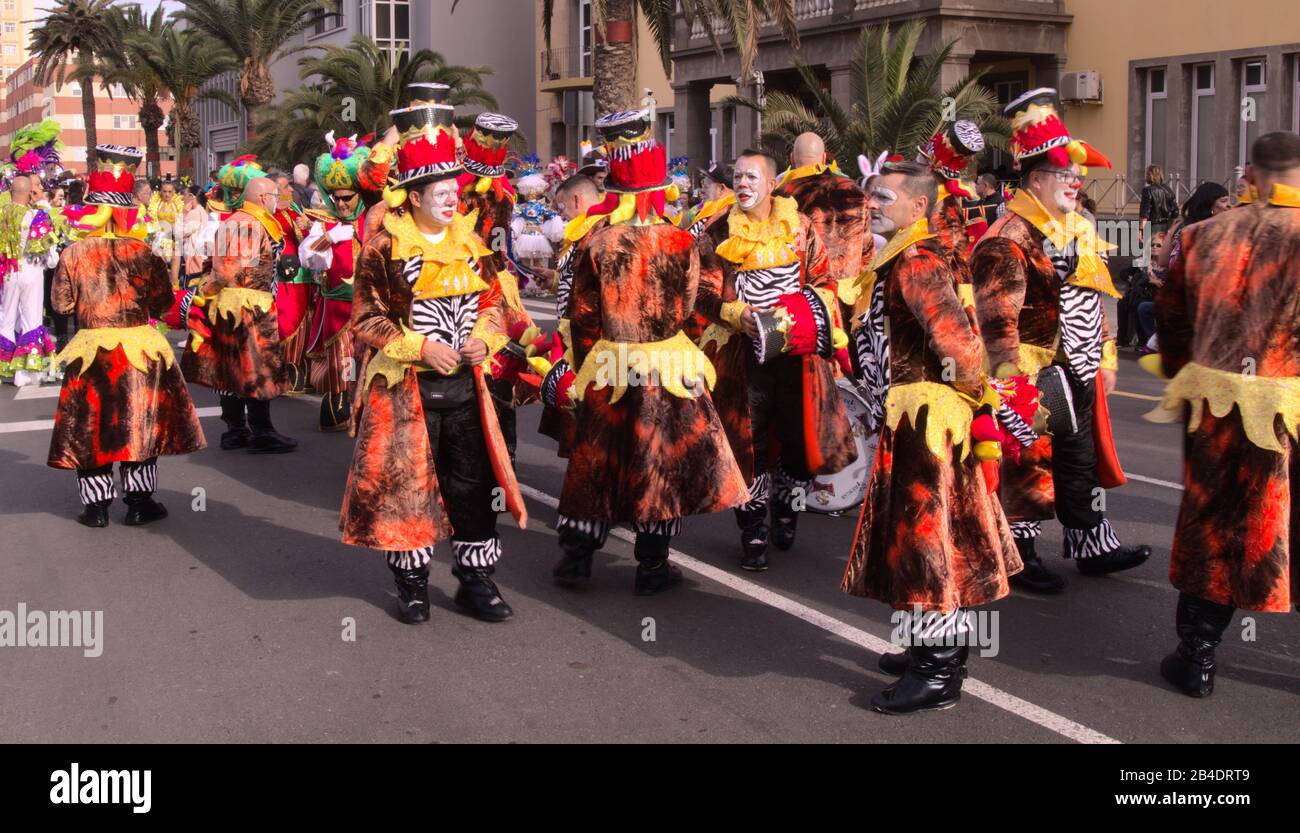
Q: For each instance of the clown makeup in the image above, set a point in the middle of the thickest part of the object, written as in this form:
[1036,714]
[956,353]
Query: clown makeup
[879,200]
[438,202]
[1057,188]
[752,181]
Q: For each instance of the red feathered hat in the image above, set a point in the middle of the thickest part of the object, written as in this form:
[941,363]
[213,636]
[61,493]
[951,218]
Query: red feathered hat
[1037,133]
[487,146]
[950,151]
[637,162]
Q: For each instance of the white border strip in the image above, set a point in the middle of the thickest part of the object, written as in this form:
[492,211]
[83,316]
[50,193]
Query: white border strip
[983,691]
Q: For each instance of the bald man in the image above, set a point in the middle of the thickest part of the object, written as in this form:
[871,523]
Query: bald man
[234,346]
[838,210]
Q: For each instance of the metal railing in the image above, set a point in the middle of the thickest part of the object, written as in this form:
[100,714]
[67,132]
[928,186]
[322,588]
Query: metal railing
[557,64]
[1117,195]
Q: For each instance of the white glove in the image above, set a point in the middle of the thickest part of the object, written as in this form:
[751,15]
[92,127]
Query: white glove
[340,233]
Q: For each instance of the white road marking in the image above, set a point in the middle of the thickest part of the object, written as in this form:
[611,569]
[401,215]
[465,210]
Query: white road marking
[1155,481]
[39,392]
[1021,708]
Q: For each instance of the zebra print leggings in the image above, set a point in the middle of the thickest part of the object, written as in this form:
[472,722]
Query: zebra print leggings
[138,480]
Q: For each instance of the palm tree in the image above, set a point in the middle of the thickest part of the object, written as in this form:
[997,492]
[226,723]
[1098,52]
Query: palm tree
[352,89]
[255,32]
[132,31]
[614,21]
[73,30]
[183,61]
[897,104]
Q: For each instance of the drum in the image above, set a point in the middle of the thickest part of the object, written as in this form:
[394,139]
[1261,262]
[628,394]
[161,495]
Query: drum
[833,494]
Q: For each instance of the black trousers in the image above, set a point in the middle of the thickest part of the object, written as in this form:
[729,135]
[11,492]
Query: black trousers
[503,394]
[59,322]
[1074,463]
[775,415]
[464,471]
[241,412]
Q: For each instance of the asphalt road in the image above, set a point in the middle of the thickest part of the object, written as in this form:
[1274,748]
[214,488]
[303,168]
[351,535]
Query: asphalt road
[228,624]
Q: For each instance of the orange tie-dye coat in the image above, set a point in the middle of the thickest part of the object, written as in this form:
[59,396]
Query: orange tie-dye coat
[930,533]
[241,357]
[112,412]
[1232,303]
[651,455]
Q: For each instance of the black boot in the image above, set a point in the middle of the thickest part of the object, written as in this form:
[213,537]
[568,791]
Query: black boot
[895,664]
[785,521]
[236,434]
[575,567]
[1035,578]
[478,595]
[95,515]
[1123,558]
[265,439]
[932,682]
[1200,625]
[753,539]
[335,412]
[142,509]
[412,594]
[653,572]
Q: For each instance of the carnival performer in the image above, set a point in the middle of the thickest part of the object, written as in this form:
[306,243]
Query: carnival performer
[167,209]
[123,399]
[948,154]
[429,455]
[932,540]
[234,343]
[649,447]
[351,177]
[294,288]
[574,198]
[29,243]
[767,291]
[1229,334]
[1040,279]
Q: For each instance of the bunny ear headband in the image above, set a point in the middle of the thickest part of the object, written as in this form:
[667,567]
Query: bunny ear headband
[869,170]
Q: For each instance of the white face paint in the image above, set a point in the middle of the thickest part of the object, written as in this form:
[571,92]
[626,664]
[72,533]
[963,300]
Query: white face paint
[752,184]
[879,200]
[438,202]
[1059,188]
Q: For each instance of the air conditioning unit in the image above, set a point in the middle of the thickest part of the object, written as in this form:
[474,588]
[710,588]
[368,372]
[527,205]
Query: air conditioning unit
[1084,85]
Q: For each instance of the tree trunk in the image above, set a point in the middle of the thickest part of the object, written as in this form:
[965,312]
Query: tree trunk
[88,115]
[256,89]
[614,63]
[151,118]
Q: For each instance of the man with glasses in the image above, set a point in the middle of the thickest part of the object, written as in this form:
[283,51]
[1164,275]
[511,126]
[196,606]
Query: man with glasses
[352,176]
[1040,277]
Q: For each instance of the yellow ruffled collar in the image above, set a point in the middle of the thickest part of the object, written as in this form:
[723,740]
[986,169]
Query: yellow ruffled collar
[447,267]
[266,218]
[762,244]
[580,226]
[1091,271]
[1284,195]
[814,169]
[713,207]
[459,244]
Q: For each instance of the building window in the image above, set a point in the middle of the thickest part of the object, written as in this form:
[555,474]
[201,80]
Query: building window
[1202,122]
[11,5]
[11,28]
[11,49]
[585,37]
[1157,111]
[125,122]
[1253,83]
[388,23]
[1295,97]
[329,21]
[667,127]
